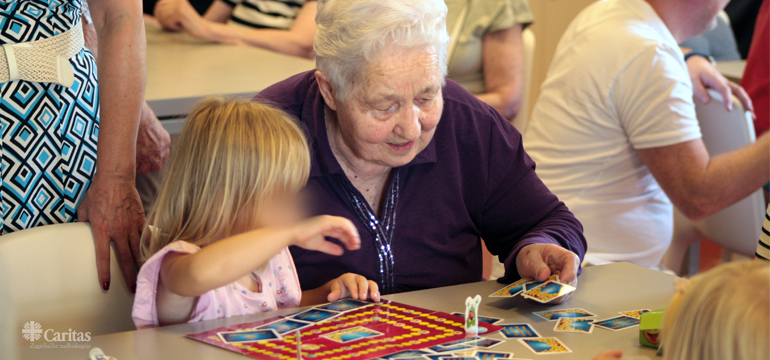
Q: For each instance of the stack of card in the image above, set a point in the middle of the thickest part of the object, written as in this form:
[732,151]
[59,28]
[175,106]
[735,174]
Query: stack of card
[540,291]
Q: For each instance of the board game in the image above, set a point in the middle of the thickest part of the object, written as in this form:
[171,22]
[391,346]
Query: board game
[343,330]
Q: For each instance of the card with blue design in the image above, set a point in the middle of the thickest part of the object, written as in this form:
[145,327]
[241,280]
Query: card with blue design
[286,325]
[548,291]
[618,323]
[491,355]
[545,346]
[584,326]
[315,315]
[634,313]
[513,289]
[352,334]
[344,305]
[533,284]
[552,315]
[515,331]
[236,337]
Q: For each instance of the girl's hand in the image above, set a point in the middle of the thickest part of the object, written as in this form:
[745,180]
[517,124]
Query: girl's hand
[353,285]
[311,234]
[609,355]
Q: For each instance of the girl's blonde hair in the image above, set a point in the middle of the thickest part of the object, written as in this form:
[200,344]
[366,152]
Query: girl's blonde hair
[723,314]
[231,155]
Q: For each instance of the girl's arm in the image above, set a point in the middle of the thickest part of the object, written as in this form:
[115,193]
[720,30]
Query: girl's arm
[227,260]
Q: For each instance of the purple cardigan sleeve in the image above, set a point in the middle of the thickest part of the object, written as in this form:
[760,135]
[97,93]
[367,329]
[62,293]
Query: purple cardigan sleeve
[519,208]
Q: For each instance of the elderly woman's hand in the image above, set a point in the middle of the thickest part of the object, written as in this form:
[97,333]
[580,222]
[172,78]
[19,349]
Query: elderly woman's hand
[539,261]
[114,209]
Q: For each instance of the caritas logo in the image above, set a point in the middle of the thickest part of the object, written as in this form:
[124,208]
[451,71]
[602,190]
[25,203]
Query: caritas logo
[32,331]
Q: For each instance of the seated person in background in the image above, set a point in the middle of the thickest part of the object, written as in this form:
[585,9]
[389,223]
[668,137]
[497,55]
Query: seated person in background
[763,248]
[487,56]
[718,42]
[216,244]
[614,132]
[723,314]
[756,77]
[286,26]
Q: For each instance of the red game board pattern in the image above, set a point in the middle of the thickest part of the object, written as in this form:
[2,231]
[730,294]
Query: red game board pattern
[403,327]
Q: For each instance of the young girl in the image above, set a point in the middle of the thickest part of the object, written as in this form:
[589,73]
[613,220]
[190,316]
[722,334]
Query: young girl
[216,241]
[723,314]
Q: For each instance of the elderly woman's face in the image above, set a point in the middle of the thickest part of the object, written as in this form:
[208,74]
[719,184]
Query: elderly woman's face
[392,113]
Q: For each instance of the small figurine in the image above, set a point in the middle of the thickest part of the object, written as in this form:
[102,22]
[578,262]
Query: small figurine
[472,315]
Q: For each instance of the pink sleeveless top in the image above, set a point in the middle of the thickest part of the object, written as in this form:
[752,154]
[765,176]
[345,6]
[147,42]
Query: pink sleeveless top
[280,290]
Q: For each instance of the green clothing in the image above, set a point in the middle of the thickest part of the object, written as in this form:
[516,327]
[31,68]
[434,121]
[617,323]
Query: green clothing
[484,16]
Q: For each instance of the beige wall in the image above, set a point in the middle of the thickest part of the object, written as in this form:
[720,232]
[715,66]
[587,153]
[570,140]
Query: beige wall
[551,19]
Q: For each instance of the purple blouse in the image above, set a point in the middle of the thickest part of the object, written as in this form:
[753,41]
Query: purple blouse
[474,180]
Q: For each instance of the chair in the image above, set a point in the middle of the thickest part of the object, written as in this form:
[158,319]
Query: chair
[521,120]
[48,275]
[737,227]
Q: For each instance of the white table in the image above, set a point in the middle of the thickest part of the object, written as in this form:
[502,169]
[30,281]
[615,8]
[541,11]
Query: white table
[181,70]
[733,70]
[604,290]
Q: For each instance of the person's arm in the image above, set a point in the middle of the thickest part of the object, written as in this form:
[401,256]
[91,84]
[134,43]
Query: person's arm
[704,76]
[298,40]
[218,12]
[353,285]
[153,142]
[700,185]
[504,71]
[184,277]
[523,222]
[227,260]
[111,204]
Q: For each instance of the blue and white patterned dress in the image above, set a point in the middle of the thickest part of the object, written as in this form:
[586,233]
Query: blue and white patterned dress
[49,132]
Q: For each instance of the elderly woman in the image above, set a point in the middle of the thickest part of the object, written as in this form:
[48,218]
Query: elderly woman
[424,168]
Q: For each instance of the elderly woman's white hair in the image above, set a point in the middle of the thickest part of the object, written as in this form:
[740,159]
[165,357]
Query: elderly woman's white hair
[352,33]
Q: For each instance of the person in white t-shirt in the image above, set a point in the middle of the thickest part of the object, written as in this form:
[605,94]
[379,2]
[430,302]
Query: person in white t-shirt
[614,132]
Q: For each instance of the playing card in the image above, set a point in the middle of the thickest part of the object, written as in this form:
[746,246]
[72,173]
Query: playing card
[344,305]
[543,346]
[533,284]
[617,323]
[584,326]
[458,358]
[315,315]
[233,337]
[514,331]
[487,343]
[512,289]
[548,291]
[285,325]
[634,313]
[352,334]
[551,315]
[439,356]
[491,355]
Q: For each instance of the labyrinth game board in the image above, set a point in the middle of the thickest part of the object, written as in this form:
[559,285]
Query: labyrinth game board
[368,331]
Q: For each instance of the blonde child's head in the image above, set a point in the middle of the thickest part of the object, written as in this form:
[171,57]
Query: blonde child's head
[233,159]
[723,314]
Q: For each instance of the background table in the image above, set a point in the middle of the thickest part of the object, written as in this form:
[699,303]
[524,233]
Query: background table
[733,70]
[603,290]
[181,70]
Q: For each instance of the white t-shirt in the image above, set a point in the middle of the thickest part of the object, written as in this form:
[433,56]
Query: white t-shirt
[618,83]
